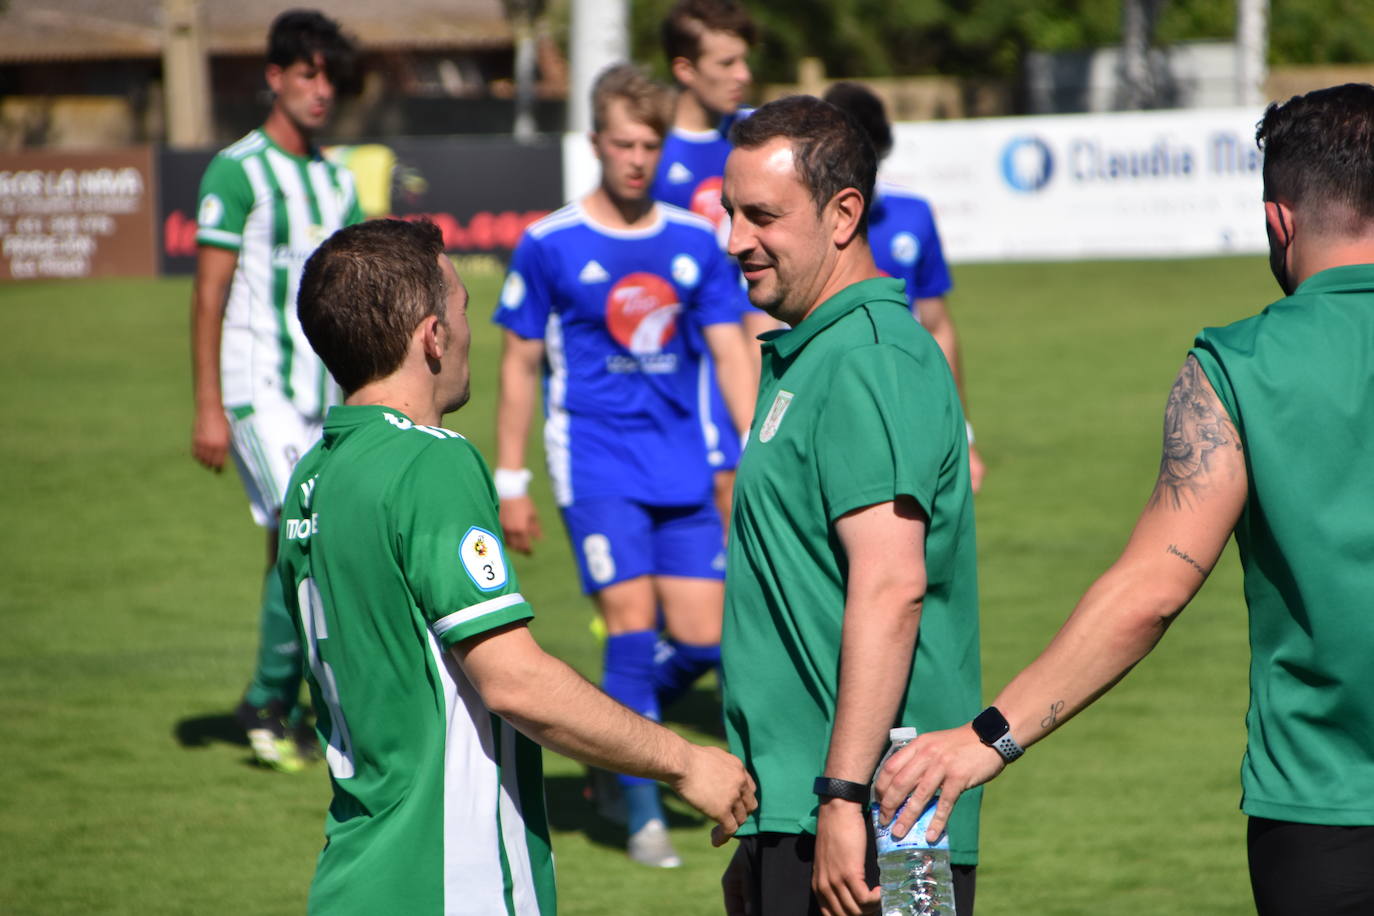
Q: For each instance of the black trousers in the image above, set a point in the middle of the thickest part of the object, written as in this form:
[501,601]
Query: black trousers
[777,871]
[1311,869]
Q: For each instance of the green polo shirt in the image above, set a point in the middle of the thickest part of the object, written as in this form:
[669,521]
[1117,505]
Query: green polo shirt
[1298,380]
[856,407]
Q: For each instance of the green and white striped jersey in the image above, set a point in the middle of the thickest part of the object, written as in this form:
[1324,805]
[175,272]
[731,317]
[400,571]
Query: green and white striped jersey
[389,555]
[274,209]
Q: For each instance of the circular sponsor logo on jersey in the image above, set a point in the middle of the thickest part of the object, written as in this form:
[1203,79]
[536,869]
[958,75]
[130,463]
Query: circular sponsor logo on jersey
[641,312]
[483,559]
[211,211]
[513,291]
[905,248]
[685,270]
[706,199]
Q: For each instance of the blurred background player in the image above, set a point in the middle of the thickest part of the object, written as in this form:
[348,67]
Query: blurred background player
[428,682]
[260,391]
[596,300]
[906,245]
[706,44]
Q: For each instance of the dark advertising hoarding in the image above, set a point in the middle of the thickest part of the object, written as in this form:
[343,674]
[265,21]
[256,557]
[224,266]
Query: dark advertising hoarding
[77,214]
[481,192]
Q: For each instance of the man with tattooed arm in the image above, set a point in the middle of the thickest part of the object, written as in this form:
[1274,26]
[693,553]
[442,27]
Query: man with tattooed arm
[1299,373]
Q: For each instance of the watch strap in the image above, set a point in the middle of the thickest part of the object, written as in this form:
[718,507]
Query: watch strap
[828,787]
[1008,748]
[992,729]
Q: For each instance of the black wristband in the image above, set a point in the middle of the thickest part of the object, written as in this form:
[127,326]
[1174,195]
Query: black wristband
[843,789]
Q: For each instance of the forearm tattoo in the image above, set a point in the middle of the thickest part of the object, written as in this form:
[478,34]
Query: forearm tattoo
[1195,427]
[1055,709]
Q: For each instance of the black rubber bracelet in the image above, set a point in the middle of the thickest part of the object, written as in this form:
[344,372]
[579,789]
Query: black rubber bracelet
[827,787]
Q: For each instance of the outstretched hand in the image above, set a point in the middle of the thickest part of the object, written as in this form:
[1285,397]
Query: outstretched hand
[948,762]
[717,784]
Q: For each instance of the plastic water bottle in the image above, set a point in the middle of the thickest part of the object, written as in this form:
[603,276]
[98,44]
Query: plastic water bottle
[915,875]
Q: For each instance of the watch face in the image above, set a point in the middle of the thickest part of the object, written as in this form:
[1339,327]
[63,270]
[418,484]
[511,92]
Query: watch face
[990,725]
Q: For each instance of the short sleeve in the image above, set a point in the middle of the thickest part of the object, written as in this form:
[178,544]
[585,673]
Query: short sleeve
[450,544]
[526,296]
[720,296]
[883,432]
[932,273]
[1208,356]
[223,205]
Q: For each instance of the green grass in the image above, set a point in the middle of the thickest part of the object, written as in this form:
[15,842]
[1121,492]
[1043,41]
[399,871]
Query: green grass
[130,578]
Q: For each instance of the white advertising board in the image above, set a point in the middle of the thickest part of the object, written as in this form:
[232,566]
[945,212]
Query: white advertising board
[1122,185]
[1139,184]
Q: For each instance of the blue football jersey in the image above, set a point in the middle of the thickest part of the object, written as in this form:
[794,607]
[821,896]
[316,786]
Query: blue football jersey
[620,372]
[901,232]
[690,168]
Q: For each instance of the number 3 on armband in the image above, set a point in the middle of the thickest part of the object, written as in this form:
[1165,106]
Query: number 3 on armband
[339,753]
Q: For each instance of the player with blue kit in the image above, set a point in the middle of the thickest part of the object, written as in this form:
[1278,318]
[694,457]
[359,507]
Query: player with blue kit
[706,44]
[906,244]
[598,303]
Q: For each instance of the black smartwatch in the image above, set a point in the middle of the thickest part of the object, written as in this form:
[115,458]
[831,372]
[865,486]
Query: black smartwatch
[992,729]
[826,787]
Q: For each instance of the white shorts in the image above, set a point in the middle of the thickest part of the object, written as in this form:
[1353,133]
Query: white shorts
[269,437]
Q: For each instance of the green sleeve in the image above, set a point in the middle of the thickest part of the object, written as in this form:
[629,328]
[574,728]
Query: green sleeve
[449,541]
[886,430]
[1207,353]
[225,199]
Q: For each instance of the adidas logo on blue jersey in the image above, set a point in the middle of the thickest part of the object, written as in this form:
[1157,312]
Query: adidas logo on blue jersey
[679,173]
[593,273]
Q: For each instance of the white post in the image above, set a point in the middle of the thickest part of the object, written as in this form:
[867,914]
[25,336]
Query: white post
[524,76]
[600,37]
[1252,51]
[185,75]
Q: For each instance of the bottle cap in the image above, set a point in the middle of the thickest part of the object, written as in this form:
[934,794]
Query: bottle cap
[901,734]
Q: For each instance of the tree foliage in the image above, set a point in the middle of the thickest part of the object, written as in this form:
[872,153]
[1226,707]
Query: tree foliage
[989,38]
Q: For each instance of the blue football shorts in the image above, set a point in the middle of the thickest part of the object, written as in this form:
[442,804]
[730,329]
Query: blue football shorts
[616,539]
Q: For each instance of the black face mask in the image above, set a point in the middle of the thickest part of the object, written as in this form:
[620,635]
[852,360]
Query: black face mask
[1278,255]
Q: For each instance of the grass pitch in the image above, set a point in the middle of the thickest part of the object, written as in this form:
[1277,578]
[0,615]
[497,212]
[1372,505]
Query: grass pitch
[128,618]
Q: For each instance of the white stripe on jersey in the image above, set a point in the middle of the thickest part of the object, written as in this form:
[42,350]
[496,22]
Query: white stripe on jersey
[467,614]
[327,197]
[473,877]
[513,829]
[304,236]
[710,433]
[567,215]
[219,235]
[683,217]
[557,432]
[246,145]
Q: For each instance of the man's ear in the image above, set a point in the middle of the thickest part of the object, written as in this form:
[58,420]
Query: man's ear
[273,76]
[1281,219]
[848,208]
[683,70]
[433,337]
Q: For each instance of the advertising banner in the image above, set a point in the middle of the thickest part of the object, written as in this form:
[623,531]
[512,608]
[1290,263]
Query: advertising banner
[76,214]
[1131,185]
[481,192]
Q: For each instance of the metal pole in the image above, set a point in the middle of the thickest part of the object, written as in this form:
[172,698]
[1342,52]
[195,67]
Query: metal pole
[600,37]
